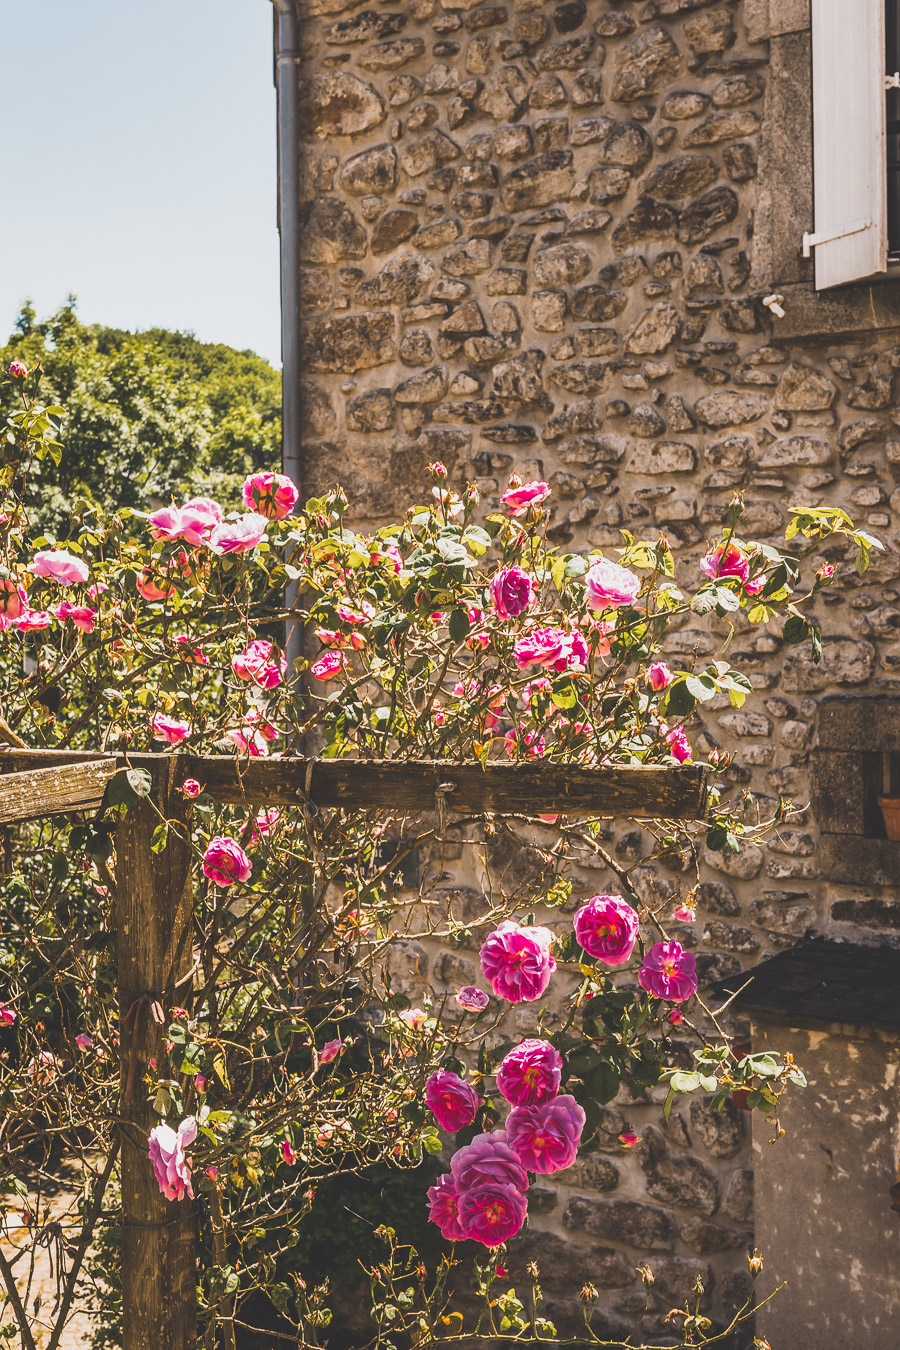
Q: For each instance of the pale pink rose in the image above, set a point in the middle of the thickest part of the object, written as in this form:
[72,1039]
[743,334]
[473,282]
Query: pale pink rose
[516,961]
[95,591]
[260,662]
[659,676]
[166,1152]
[472,999]
[546,1136]
[451,1100]
[191,788]
[288,1154]
[492,1214]
[330,1050]
[82,616]
[607,929]
[239,536]
[84,1041]
[271,494]
[555,648]
[225,862]
[150,589]
[328,665]
[669,972]
[199,518]
[517,499]
[13,599]
[443,1208]
[610,586]
[169,729]
[165,523]
[7,1016]
[33,620]
[60,566]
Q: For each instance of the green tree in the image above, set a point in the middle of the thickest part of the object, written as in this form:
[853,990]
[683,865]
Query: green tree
[147,413]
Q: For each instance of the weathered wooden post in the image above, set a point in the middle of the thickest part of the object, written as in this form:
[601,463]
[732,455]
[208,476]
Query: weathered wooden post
[153,913]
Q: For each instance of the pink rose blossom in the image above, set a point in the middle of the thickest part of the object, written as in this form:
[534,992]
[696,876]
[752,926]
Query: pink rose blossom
[443,1208]
[18,370]
[288,1154]
[225,862]
[453,1102]
[684,913]
[271,494]
[191,788]
[472,999]
[659,676]
[150,589]
[350,614]
[492,1214]
[519,497]
[82,616]
[60,566]
[330,1050]
[551,647]
[669,972]
[7,1016]
[731,561]
[166,1152]
[512,591]
[546,1136]
[169,729]
[628,1139]
[13,599]
[33,620]
[607,929]
[260,662]
[265,823]
[328,665]
[516,961]
[531,1073]
[84,1041]
[198,520]
[610,586]
[212,1173]
[679,745]
[487,1160]
[165,523]
[239,536]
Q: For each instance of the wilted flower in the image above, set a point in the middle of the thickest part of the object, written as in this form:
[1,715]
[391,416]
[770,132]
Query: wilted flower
[288,1154]
[7,1016]
[679,745]
[330,1050]
[84,1041]
[13,599]
[684,913]
[82,616]
[628,1139]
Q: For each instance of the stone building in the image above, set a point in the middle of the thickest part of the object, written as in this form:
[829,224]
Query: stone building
[568,237]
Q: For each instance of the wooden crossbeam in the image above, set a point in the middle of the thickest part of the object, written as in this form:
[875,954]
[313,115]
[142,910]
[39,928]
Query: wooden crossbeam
[658,792]
[52,791]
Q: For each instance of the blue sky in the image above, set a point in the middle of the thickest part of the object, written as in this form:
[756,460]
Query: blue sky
[138,158]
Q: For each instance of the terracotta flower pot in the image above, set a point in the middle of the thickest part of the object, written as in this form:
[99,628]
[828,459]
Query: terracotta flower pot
[890,810]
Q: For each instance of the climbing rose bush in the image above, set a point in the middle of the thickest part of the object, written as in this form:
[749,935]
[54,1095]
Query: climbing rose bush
[294,1054]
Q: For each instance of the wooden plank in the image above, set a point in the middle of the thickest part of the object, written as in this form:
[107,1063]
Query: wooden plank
[31,793]
[676,792]
[153,919]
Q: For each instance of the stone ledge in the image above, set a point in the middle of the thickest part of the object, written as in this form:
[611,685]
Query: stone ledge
[770,18]
[842,312]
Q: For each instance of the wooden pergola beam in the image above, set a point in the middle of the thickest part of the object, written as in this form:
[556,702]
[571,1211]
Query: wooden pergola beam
[74,780]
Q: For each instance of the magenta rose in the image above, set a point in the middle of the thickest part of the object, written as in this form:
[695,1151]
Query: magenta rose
[607,928]
[610,586]
[58,565]
[511,592]
[443,1208]
[271,494]
[659,676]
[519,496]
[328,665]
[531,1073]
[84,617]
[669,972]
[488,1160]
[516,961]
[730,561]
[679,745]
[553,647]
[451,1100]
[225,862]
[492,1214]
[260,662]
[166,1152]
[546,1136]
[472,999]
[169,729]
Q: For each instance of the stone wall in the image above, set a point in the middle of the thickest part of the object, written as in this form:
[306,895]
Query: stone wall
[529,243]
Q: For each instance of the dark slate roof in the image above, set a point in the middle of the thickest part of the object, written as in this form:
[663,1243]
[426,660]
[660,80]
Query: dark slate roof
[819,981]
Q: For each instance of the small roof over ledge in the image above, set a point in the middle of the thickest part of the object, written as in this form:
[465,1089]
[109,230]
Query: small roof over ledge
[818,983]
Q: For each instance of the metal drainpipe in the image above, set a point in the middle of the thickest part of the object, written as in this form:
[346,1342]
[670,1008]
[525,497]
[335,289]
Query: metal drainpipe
[286,61]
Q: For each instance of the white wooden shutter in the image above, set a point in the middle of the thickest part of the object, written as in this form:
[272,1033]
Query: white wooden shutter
[849,240]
